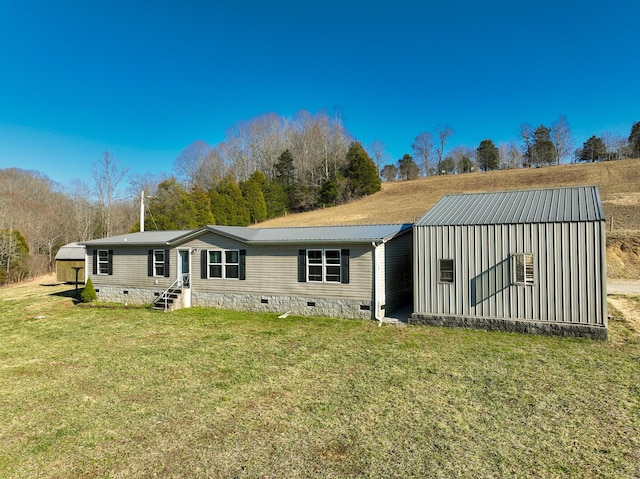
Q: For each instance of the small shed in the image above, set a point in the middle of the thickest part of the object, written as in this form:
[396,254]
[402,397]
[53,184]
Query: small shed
[527,261]
[69,257]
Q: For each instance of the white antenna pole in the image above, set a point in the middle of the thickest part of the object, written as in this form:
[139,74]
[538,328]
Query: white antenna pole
[142,211]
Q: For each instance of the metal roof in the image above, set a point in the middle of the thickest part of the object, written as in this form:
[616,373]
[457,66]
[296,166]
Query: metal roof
[313,234]
[305,234]
[151,238]
[553,205]
[71,252]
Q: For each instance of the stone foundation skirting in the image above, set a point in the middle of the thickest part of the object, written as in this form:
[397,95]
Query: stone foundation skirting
[512,325]
[307,306]
[118,294]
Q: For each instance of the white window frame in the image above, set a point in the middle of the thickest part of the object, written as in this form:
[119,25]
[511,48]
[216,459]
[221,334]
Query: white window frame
[523,269]
[103,261]
[225,263]
[158,265]
[453,271]
[331,267]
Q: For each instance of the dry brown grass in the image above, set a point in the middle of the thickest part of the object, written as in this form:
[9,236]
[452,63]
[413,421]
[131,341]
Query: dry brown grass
[399,202]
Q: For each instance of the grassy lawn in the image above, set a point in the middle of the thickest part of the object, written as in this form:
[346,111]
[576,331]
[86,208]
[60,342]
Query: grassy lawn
[125,392]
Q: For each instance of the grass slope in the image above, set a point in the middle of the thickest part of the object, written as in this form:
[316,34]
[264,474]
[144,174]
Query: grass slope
[96,392]
[405,201]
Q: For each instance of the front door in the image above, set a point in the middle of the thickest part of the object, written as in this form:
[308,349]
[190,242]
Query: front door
[184,263]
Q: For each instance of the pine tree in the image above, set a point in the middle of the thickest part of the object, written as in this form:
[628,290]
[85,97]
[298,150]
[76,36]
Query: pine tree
[634,140]
[254,197]
[488,156]
[89,292]
[171,208]
[361,172]
[202,203]
[407,168]
[228,205]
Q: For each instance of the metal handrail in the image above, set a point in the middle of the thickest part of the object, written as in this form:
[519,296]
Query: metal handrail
[183,280]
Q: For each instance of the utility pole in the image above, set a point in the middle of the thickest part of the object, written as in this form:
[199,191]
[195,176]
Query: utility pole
[142,211]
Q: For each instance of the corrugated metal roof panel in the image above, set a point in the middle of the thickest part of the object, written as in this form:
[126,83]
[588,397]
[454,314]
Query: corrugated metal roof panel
[305,234]
[551,205]
[140,238]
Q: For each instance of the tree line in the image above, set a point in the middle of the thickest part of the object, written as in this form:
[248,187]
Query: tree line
[540,146]
[266,167]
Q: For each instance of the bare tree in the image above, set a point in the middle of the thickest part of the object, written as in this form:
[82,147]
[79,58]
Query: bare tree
[107,176]
[526,135]
[189,163]
[562,140]
[444,132]
[378,151]
[422,147]
[616,145]
[510,155]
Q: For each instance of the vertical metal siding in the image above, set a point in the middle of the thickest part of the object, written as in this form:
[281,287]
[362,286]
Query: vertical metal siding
[569,282]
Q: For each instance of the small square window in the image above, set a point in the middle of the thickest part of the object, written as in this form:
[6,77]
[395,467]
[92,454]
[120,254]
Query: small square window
[522,268]
[445,271]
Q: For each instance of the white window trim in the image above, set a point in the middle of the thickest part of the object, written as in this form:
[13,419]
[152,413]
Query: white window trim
[104,262]
[453,271]
[529,274]
[223,264]
[324,265]
[160,263]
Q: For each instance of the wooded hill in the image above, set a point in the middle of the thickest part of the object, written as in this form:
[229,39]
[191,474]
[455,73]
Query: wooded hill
[406,201]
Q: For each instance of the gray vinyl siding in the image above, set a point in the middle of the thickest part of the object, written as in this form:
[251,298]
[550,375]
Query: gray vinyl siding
[569,271]
[273,270]
[398,267]
[130,268]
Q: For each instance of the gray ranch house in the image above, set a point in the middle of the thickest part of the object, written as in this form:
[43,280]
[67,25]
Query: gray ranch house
[338,271]
[527,261]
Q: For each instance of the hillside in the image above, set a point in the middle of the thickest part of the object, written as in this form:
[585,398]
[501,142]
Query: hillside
[406,201]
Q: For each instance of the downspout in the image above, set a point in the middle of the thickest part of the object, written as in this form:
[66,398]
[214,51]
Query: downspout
[375,282]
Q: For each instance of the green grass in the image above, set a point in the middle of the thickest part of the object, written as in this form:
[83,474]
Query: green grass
[126,392]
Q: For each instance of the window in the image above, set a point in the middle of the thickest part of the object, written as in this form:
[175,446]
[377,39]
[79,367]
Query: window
[103,261]
[158,262]
[445,271]
[324,265]
[522,268]
[224,264]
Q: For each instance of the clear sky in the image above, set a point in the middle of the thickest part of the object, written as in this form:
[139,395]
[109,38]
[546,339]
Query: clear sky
[145,79]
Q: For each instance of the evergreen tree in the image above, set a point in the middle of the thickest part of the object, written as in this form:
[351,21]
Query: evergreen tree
[285,176]
[593,150]
[407,168]
[634,141]
[89,292]
[202,203]
[228,205]
[361,172]
[254,197]
[171,208]
[541,150]
[488,156]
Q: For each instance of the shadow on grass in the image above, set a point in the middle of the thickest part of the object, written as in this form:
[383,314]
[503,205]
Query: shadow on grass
[70,293]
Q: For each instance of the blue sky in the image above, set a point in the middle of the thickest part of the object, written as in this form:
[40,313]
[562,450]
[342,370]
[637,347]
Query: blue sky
[143,80]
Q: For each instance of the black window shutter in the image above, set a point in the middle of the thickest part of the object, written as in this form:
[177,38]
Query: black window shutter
[110,264]
[242,266]
[344,266]
[95,261]
[166,263]
[203,264]
[302,266]
[150,263]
